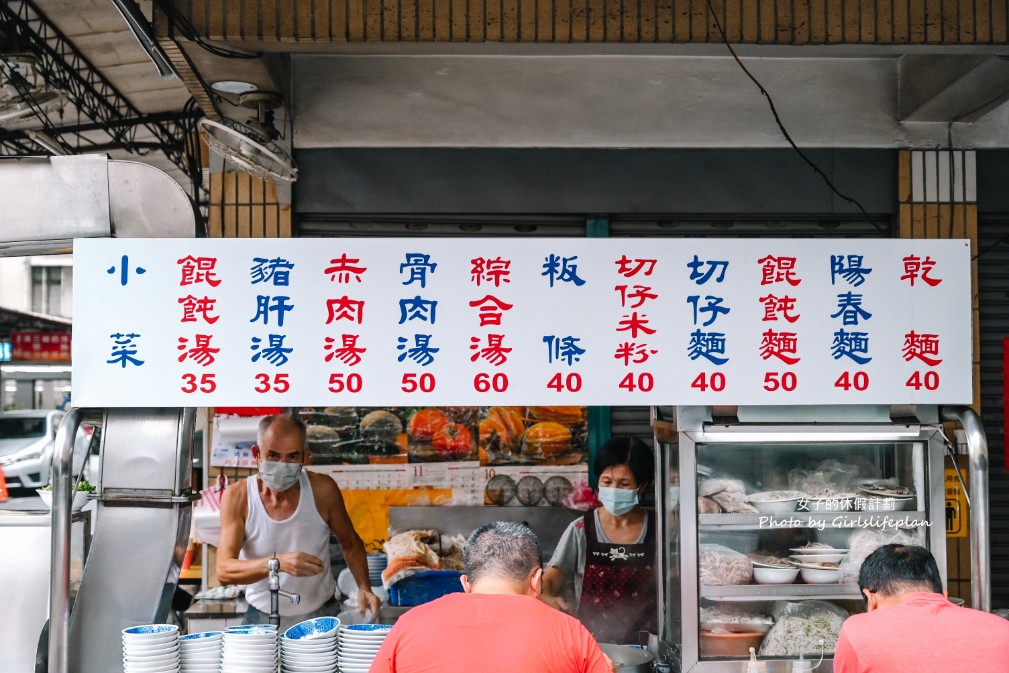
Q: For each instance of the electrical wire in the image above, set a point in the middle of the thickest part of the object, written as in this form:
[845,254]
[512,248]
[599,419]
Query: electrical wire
[777,119]
[175,17]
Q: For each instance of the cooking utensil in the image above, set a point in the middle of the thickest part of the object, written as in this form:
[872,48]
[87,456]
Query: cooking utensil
[629,659]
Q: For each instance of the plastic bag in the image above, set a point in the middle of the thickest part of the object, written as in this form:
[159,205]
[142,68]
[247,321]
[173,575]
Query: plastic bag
[721,566]
[207,513]
[804,628]
[829,478]
[863,542]
[730,494]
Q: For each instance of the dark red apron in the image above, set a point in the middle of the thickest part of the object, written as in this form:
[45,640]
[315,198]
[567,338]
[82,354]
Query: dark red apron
[618,589]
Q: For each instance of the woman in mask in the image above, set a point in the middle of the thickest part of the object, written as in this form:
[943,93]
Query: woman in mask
[603,570]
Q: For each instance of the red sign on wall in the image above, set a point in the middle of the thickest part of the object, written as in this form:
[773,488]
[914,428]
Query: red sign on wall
[40,346]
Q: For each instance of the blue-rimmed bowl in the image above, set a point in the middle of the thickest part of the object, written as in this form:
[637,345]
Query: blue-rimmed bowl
[368,628]
[150,630]
[206,636]
[311,629]
[250,627]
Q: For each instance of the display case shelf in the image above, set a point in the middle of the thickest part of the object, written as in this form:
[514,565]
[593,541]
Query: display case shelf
[781,592]
[848,519]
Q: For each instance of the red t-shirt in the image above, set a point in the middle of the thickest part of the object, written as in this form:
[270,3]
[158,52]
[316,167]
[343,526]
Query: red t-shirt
[923,633]
[489,633]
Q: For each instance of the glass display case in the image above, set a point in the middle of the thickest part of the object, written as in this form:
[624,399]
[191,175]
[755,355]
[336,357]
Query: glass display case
[769,522]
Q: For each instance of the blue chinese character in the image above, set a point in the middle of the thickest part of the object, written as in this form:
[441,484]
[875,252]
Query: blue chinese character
[275,353]
[701,278]
[417,309]
[277,269]
[849,308]
[421,352]
[854,272]
[850,344]
[124,271]
[419,265]
[563,349]
[278,306]
[707,345]
[562,270]
[714,307]
[124,349]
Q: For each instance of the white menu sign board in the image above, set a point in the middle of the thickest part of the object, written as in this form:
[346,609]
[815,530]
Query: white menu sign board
[416,322]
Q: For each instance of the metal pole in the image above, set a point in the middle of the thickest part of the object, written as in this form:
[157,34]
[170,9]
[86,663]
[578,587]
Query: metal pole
[59,581]
[980,544]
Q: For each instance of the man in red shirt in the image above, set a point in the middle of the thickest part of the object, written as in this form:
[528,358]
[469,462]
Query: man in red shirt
[498,625]
[910,626]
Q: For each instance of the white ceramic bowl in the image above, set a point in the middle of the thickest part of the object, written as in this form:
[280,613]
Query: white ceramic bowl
[317,658]
[297,668]
[153,668]
[820,575]
[775,575]
[307,648]
[835,557]
[766,503]
[142,647]
[151,632]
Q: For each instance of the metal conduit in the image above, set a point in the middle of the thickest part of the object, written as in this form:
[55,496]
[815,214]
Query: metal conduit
[980,545]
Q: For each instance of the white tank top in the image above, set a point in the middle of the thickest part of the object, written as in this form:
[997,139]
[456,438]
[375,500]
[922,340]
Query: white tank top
[303,531]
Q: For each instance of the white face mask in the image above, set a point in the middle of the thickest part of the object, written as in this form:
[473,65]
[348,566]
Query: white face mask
[279,476]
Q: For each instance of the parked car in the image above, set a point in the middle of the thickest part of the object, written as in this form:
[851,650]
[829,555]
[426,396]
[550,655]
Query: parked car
[27,443]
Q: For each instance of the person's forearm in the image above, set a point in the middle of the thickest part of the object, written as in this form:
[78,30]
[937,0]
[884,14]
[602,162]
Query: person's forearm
[357,562]
[242,571]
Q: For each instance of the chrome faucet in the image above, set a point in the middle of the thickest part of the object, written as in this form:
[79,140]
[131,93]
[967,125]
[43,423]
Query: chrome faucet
[273,565]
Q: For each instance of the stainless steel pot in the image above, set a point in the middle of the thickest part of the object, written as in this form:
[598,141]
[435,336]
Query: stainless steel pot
[627,659]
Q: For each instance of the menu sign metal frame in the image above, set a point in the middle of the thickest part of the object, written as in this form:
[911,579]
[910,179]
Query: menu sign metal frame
[423,322]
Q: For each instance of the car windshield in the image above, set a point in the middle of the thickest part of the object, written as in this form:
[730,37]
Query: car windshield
[22,428]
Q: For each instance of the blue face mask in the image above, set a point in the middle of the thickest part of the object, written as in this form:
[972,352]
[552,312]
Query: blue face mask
[618,501]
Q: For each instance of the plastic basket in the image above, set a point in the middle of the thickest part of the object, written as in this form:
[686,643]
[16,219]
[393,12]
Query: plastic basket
[424,587]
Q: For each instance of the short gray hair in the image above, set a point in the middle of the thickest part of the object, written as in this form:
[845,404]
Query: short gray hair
[267,421]
[502,549]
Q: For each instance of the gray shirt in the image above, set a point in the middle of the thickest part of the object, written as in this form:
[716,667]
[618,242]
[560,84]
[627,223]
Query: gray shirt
[570,555]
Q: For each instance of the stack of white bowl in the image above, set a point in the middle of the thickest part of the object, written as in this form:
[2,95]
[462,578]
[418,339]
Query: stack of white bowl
[310,646]
[359,644]
[250,649]
[201,652]
[151,648]
[376,564]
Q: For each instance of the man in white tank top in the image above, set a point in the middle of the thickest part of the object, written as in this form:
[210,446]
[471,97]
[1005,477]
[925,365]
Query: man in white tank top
[290,512]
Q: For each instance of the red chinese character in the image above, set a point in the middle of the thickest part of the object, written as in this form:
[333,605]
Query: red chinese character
[345,308]
[634,353]
[922,346]
[781,345]
[632,267]
[491,309]
[914,268]
[199,270]
[639,295]
[202,353]
[349,353]
[494,352]
[634,323]
[191,306]
[774,305]
[344,268]
[777,269]
[494,271]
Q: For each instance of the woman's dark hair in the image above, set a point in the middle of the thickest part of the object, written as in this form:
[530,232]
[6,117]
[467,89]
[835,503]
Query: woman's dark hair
[895,569]
[629,451]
